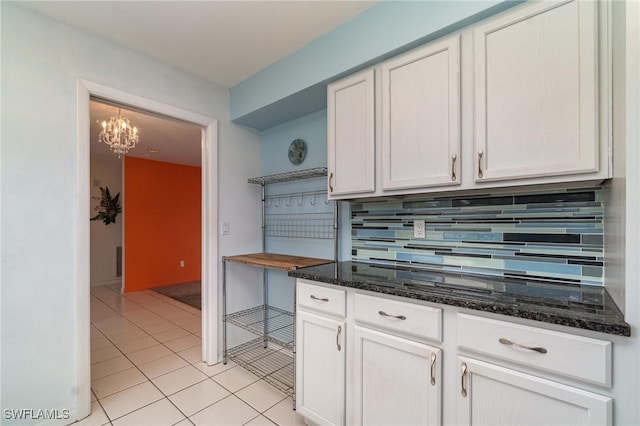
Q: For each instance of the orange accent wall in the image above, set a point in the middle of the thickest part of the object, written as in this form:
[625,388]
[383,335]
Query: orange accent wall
[161,223]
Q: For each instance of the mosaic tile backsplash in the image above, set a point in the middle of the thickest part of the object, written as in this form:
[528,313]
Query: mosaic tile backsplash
[547,236]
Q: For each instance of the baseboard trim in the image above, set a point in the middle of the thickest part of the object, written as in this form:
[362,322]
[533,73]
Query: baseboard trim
[109,282]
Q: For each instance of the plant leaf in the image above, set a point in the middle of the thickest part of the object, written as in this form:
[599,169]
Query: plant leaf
[109,207]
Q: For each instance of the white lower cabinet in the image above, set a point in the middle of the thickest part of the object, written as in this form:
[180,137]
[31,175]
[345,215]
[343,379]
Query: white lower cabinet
[363,359]
[493,395]
[320,368]
[395,381]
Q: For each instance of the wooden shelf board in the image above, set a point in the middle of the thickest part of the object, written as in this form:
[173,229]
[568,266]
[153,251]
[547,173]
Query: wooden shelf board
[276,261]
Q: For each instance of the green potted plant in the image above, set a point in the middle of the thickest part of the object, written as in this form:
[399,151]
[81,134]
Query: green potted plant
[109,207]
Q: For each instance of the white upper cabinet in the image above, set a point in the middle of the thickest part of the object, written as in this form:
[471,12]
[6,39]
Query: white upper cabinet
[536,92]
[421,117]
[521,98]
[351,135]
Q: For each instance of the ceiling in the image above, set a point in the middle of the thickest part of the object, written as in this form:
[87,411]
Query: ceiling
[224,42]
[175,141]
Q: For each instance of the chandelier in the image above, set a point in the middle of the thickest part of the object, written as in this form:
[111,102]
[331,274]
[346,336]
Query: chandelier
[119,134]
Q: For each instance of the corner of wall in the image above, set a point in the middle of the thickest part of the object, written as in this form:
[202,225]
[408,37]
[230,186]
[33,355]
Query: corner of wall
[616,189]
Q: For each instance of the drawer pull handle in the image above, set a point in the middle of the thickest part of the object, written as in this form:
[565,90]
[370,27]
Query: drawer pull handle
[331,182]
[384,314]
[530,348]
[432,369]
[454,157]
[480,154]
[323,299]
[338,338]
[463,375]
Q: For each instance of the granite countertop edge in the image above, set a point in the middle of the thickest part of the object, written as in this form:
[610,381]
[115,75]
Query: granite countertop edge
[614,325]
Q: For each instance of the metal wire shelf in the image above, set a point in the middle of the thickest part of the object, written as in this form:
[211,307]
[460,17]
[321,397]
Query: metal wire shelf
[272,364]
[289,176]
[307,214]
[300,225]
[279,327]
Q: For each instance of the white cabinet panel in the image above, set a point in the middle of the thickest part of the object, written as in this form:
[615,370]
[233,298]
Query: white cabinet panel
[492,395]
[396,381]
[421,117]
[536,92]
[579,357]
[535,85]
[351,135]
[349,373]
[410,319]
[322,299]
[320,368]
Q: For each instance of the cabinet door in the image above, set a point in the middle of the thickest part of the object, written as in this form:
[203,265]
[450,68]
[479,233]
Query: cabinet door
[536,109]
[351,135]
[320,368]
[395,381]
[492,395]
[421,117]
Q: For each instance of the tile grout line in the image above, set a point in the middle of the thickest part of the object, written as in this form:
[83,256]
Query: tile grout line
[141,372]
[151,380]
[159,297]
[115,314]
[147,334]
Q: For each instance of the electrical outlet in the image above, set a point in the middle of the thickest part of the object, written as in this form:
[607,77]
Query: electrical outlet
[182,263]
[418,229]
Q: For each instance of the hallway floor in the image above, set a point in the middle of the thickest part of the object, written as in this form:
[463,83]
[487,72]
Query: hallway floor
[146,369]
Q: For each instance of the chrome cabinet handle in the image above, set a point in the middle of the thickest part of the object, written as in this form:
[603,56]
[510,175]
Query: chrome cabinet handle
[480,153]
[324,299]
[384,314]
[331,182]
[432,369]
[338,338]
[454,157]
[517,345]
[462,377]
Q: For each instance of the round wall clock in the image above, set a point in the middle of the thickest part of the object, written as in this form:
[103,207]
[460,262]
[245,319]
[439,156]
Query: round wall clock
[297,151]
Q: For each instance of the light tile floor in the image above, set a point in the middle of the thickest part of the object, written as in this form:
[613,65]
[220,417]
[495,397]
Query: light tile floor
[146,369]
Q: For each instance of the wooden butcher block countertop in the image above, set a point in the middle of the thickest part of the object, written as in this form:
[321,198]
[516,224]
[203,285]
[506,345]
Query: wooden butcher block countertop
[277,261]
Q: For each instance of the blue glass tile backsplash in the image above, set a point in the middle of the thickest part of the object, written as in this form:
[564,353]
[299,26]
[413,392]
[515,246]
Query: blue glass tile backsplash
[537,236]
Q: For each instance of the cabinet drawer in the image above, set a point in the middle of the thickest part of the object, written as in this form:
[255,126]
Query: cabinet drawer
[321,299]
[404,318]
[565,354]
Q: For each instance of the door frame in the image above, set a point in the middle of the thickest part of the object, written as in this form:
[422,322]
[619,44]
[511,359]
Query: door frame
[209,227]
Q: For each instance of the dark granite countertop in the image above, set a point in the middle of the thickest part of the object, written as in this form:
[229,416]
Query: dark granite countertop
[585,307]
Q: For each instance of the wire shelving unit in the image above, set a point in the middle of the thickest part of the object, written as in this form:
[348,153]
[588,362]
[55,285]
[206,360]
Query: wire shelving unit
[307,214]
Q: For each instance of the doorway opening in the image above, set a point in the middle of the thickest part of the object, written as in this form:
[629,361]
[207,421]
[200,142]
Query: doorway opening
[208,129]
[153,237]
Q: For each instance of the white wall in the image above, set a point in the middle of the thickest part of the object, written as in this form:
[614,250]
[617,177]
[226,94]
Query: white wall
[632,135]
[41,62]
[105,238]
[622,205]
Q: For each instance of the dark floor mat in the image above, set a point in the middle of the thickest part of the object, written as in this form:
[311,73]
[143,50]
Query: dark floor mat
[189,293]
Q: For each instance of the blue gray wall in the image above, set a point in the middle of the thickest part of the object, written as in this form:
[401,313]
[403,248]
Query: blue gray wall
[295,86]
[41,62]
